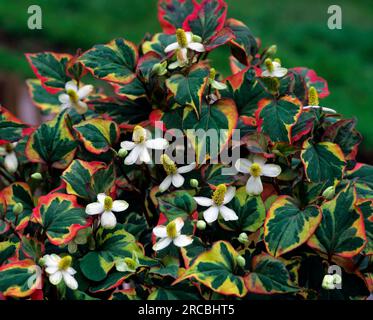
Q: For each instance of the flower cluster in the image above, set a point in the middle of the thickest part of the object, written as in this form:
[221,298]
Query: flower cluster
[99,202]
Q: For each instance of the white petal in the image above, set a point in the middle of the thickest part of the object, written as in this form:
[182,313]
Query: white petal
[11,162]
[71,271]
[327,110]
[64,98]
[211,214]
[81,107]
[266,73]
[229,195]
[182,241]
[70,281]
[179,222]
[127,145]
[144,155]
[228,214]
[171,47]
[254,186]
[71,85]
[51,260]
[65,106]
[101,198]
[157,144]
[160,231]
[108,220]
[161,244]
[189,36]
[280,72]
[55,278]
[271,170]
[3,151]
[218,85]
[85,91]
[203,201]
[119,205]
[51,270]
[133,155]
[94,208]
[177,180]
[165,184]
[174,65]
[243,165]
[187,168]
[259,160]
[196,46]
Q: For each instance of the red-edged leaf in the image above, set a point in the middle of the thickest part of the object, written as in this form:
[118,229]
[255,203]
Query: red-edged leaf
[172,13]
[312,79]
[11,128]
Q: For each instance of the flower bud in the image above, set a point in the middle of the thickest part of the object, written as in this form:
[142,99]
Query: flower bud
[196,38]
[201,225]
[122,153]
[194,183]
[243,238]
[329,193]
[160,68]
[272,50]
[37,176]
[18,208]
[241,261]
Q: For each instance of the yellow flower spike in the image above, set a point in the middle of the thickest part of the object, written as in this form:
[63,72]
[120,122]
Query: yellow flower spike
[255,170]
[313,97]
[219,193]
[269,65]
[181,38]
[73,95]
[108,203]
[65,263]
[168,165]
[171,230]
[139,134]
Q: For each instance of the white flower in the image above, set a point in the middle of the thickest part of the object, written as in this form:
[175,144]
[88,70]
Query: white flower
[257,168]
[60,268]
[127,264]
[105,207]
[10,160]
[140,144]
[313,101]
[74,96]
[181,59]
[174,176]
[171,233]
[184,42]
[273,69]
[216,84]
[221,196]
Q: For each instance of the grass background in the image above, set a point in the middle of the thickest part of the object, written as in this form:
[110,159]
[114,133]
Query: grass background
[298,27]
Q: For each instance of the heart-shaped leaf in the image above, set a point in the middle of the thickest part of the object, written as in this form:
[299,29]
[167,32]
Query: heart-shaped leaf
[287,227]
[177,204]
[172,13]
[48,103]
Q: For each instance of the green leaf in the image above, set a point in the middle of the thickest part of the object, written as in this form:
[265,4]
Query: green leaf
[287,227]
[114,280]
[115,61]
[50,68]
[213,175]
[178,292]
[177,204]
[216,269]
[172,13]
[11,128]
[269,276]
[97,135]
[188,89]
[365,206]
[277,117]
[158,43]
[60,216]
[323,162]
[362,173]
[341,231]
[7,250]
[250,211]
[48,103]
[313,80]
[52,143]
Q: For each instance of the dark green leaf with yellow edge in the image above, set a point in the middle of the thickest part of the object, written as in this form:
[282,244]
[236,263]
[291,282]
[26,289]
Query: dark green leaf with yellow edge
[341,231]
[216,123]
[169,267]
[250,211]
[188,89]
[177,292]
[362,173]
[111,244]
[61,217]
[323,161]
[97,135]
[50,68]
[216,269]
[7,250]
[127,294]
[191,252]
[213,175]
[172,13]
[287,227]
[19,279]
[31,248]
[114,280]
[132,90]
[18,192]
[365,206]
[303,126]
[87,179]
[11,128]
[277,117]
[269,276]
[48,103]
[177,204]
[158,43]
[115,61]
[52,143]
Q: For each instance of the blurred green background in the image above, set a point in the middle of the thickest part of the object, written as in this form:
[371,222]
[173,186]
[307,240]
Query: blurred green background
[298,27]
